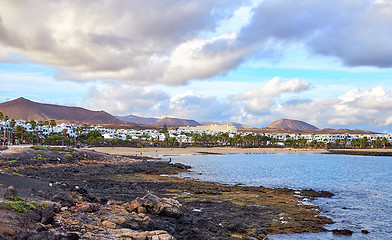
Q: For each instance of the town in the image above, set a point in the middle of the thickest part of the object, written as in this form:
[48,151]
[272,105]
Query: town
[16,132]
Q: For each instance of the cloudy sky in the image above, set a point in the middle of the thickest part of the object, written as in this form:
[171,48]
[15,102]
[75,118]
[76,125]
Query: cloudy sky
[328,63]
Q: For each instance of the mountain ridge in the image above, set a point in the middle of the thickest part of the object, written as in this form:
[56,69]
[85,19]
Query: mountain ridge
[169,121]
[22,108]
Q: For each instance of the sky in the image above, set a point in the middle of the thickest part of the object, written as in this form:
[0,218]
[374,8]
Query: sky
[328,63]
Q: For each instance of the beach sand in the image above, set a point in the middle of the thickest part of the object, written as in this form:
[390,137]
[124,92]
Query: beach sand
[198,150]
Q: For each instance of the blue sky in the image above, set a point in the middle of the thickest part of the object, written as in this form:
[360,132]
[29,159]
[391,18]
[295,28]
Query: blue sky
[328,63]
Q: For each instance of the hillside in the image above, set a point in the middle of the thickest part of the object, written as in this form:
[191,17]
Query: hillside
[176,122]
[290,124]
[158,122]
[25,109]
[138,120]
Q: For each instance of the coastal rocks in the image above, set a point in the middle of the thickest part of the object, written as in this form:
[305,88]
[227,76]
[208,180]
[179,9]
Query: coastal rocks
[151,235]
[48,213]
[342,232]
[10,191]
[313,193]
[155,205]
[259,234]
[64,199]
[108,224]
[88,207]
[137,221]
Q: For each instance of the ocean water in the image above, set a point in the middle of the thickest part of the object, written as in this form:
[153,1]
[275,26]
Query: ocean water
[362,185]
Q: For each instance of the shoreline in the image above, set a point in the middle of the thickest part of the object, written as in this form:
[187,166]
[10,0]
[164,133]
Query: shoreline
[103,186]
[156,152]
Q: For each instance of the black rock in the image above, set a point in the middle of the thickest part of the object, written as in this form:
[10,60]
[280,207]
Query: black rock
[72,236]
[34,215]
[10,191]
[342,232]
[40,236]
[64,199]
[48,214]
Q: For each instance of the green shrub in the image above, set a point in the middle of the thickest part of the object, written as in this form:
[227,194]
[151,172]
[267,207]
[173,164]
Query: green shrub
[31,206]
[66,213]
[11,161]
[44,205]
[39,147]
[68,155]
[71,150]
[15,198]
[17,206]
[54,148]
[16,174]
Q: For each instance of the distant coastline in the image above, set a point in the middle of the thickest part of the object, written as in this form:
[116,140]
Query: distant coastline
[156,151]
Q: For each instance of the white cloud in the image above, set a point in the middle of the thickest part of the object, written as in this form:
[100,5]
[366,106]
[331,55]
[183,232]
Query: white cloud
[150,102]
[355,31]
[201,108]
[260,101]
[134,41]
[370,108]
[124,100]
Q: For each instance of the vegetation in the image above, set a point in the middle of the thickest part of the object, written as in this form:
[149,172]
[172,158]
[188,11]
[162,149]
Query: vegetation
[66,213]
[94,138]
[39,147]
[19,204]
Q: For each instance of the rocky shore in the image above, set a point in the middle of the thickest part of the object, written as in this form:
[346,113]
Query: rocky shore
[67,194]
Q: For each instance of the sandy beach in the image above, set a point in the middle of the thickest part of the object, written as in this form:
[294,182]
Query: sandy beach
[198,150]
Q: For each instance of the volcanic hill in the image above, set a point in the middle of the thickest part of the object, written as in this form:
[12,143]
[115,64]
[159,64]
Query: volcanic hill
[290,124]
[25,109]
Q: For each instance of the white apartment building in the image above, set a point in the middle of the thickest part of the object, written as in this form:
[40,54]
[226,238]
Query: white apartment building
[212,128]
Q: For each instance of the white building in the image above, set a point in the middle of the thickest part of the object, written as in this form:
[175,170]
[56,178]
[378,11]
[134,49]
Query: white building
[212,128]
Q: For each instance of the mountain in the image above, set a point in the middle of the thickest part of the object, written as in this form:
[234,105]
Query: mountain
[290,124]
[158,122]
[138,120]
[22,108]
[237,125]
[176,122]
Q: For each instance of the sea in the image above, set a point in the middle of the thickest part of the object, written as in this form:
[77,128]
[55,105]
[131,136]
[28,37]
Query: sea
[362,185]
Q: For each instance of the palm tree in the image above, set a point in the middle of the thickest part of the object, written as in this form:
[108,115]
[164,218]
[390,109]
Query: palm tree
[384,142]
[19,129]
[33,125]
[53,124]
[363,142]
[12,123]
[1,116]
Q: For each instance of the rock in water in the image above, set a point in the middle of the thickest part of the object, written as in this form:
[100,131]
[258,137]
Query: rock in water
[342,232]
